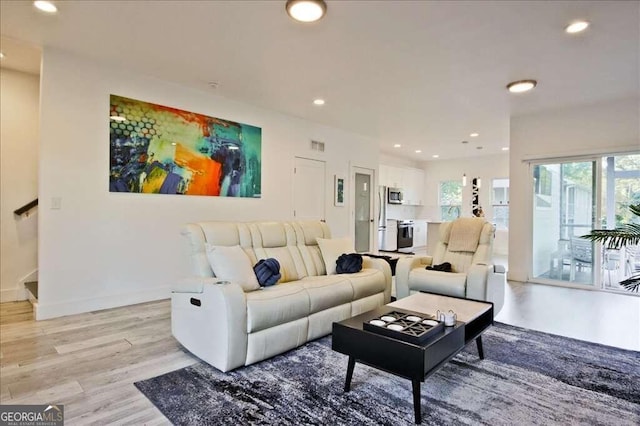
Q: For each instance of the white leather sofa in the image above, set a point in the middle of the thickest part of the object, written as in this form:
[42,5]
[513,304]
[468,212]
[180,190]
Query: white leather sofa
[474,275]
[228,327]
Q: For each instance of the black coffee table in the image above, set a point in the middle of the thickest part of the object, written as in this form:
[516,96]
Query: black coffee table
[415,362]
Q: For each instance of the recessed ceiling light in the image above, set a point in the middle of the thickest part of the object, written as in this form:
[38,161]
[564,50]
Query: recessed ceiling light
[318,101]
[118,118]
[521,86]
[397,145]
[505,148]
[45,6]
[474,135]
[306,10]
[418,151]
[576,27]
[435,156]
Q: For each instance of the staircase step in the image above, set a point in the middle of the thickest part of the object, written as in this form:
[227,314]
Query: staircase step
[32,286]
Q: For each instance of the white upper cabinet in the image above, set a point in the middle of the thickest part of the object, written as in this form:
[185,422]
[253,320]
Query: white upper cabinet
[410,180]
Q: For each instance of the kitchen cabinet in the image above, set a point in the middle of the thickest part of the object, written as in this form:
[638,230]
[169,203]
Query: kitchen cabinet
[419,233]
[410,180]
[413,181]
[391,176]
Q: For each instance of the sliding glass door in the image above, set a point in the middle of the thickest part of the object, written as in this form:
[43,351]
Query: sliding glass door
[570,198]
[620,189]
[563,210]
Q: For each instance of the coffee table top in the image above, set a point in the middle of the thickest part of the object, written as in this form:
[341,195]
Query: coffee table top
[427,303]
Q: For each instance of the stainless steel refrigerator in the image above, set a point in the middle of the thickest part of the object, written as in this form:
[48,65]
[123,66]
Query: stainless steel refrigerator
[387,228]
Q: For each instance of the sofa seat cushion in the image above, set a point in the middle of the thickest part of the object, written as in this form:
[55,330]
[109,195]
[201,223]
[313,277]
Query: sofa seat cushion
[327,291]
[276,305]
[447,283]
[366,282]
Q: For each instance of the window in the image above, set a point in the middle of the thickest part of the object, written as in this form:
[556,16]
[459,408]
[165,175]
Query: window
[543,177]
[500,203]
[450,200]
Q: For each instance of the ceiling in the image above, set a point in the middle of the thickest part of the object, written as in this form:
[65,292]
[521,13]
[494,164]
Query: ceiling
[419,73]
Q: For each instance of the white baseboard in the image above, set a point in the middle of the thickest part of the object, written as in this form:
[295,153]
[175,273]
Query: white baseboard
[78,306]
[13,294]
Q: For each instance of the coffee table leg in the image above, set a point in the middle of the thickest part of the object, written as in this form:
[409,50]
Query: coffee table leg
[352,364]
[416,400]
[480,349]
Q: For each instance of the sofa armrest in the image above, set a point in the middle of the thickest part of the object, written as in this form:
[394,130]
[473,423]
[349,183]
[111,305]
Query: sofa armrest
[211,323]
[496,283]
[382,266]
[487,282]
[403,269]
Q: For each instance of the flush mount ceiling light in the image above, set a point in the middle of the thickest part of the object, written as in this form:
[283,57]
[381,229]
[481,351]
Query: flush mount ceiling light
[306,10]
[318,101]
[521,86]
[45,6]
[576,27]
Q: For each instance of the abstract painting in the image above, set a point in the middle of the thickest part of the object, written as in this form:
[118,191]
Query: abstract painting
[338,191]
[163,150]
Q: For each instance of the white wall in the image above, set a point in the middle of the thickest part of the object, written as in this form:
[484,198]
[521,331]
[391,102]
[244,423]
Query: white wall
[18,180]
[611,127]
[107,249]
[486,167]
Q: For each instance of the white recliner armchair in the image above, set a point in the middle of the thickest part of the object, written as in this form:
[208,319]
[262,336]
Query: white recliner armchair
[467,244]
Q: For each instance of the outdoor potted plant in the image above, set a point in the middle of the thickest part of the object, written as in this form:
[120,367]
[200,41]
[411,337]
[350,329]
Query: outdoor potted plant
[625,235]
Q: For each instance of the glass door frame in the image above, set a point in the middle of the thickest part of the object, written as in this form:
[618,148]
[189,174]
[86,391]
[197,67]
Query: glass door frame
[597,283]
[373,226]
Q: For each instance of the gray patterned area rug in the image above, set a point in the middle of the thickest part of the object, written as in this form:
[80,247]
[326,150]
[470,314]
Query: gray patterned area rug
[527,377]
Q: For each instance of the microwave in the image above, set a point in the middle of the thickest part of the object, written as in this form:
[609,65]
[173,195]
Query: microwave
[394,196]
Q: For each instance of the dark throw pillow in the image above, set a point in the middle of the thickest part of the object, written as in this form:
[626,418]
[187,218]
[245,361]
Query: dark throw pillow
[349,263]
[444,267]
[267,271]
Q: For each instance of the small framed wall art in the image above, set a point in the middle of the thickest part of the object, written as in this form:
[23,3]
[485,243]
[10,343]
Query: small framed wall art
[339,191]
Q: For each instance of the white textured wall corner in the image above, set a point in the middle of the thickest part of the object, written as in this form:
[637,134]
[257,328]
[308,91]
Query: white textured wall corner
[19,117]
[103,249]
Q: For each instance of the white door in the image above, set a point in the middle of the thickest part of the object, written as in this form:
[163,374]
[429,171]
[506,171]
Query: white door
[362,182]
[309,189]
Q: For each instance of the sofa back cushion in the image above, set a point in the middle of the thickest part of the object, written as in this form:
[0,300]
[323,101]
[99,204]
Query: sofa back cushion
[231,263]
[293,244]
[462,260]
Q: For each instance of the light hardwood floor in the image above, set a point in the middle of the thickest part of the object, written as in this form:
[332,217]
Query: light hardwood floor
[89,362]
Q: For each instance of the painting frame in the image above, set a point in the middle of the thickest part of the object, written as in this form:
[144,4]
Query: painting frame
[159,149]
[339,190]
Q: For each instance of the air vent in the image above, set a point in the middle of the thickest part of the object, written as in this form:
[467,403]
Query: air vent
[317,146]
